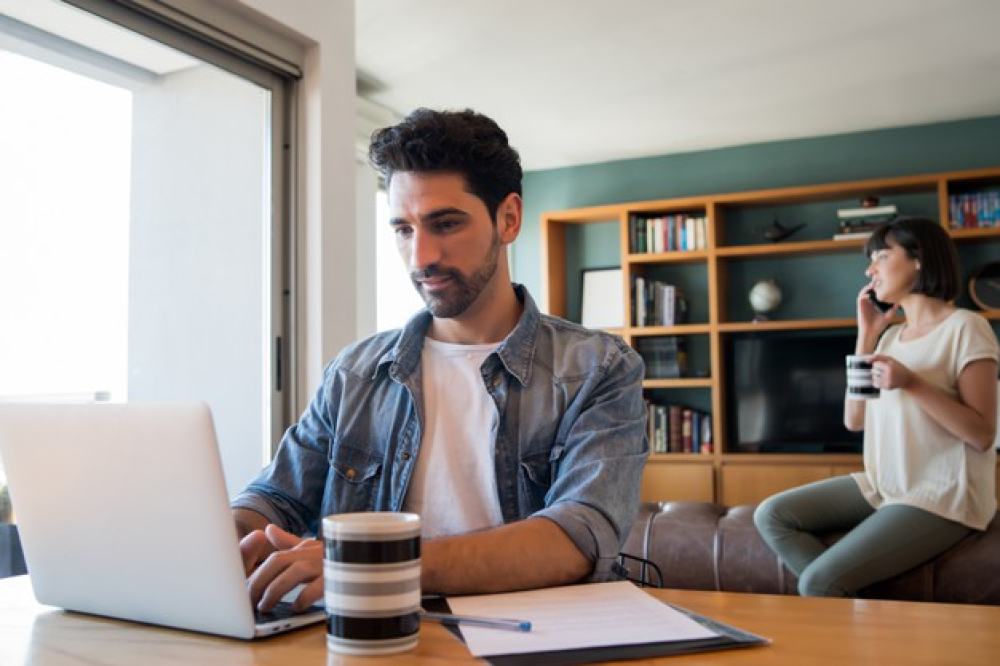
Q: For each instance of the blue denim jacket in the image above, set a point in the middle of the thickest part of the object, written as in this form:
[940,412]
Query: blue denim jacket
[570,438]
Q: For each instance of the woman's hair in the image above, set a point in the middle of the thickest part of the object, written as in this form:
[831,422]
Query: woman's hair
[462,142]
[927,242]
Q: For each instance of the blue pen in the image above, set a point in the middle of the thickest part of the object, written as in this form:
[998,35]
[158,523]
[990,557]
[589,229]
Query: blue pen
[488,622]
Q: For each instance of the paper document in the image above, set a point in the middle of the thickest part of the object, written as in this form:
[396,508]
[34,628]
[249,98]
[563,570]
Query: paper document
[575,617]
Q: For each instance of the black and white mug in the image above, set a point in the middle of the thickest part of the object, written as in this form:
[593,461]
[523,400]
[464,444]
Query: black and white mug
[371,573]
[860,381]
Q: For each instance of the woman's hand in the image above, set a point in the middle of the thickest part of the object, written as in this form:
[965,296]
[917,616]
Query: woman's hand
[889,374]
[871,321]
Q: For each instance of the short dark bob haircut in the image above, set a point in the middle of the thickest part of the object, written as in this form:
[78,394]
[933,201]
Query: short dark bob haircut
[466,143]
[927,242]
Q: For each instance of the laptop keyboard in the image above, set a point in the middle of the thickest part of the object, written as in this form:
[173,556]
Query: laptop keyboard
[282,611]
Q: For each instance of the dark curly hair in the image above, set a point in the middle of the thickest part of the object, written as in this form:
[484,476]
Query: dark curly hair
[462,142]
[927,242]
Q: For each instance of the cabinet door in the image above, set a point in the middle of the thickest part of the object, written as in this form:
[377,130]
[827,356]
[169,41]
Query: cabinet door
[752,483]
[678,481]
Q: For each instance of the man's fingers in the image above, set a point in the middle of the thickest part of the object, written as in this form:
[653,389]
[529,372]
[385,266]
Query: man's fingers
[254,548]
[282,572]
[282,540]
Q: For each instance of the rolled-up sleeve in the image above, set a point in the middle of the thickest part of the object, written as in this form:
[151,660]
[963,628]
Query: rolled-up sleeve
[594,497]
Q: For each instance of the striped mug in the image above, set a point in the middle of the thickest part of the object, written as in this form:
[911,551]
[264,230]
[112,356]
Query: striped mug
[371,573]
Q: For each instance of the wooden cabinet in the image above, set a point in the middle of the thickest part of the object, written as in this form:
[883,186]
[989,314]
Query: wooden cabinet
[731,253]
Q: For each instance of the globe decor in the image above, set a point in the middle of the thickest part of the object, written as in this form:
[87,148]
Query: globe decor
[765,296]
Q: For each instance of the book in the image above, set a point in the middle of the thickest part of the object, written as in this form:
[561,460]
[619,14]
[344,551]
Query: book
[675,435]
[850,235]
[706,434]
[665,356]
[866,211]
[687,430]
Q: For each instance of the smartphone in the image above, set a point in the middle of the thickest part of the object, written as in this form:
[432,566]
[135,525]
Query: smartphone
[881,305]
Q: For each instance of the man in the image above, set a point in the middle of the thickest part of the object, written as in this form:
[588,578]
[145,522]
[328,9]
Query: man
[518,437]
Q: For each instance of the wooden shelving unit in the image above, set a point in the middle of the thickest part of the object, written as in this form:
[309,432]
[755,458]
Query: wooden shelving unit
[719,310]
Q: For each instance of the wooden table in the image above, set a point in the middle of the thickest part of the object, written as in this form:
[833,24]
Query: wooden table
[803,631]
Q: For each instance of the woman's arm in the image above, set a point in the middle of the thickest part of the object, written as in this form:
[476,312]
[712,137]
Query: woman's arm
[872,322]
[972,416]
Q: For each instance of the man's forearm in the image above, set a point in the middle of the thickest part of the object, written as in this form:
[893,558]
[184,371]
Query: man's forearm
[247,521]
[525,555]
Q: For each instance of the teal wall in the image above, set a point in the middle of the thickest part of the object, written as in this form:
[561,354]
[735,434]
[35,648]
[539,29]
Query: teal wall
[967,144]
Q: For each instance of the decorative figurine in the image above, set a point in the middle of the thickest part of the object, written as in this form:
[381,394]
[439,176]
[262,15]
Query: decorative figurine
[776,231]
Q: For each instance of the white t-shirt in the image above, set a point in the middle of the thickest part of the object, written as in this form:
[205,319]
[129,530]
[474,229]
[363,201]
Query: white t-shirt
[453,487]
[910,458]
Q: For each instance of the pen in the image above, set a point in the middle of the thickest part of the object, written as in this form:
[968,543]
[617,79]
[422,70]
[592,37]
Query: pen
[489,622]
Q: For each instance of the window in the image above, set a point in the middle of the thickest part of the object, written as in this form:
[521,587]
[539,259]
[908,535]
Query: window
[396,299]
[143,219]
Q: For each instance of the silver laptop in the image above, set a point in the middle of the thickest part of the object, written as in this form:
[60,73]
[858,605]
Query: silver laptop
[122,512]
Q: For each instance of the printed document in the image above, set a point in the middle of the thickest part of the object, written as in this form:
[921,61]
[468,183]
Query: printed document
[574,617]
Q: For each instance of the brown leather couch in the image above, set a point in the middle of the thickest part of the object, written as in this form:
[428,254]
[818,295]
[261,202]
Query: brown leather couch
[704,546]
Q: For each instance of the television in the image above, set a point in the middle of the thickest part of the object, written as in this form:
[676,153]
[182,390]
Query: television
[786,393]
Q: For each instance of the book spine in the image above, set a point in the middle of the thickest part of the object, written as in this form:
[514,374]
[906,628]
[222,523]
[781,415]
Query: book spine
[676,419]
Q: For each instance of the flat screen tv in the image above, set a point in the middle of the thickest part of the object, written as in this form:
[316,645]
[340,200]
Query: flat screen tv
[786,393]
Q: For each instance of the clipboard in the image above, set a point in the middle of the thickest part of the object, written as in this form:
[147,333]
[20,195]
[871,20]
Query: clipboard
[728,637]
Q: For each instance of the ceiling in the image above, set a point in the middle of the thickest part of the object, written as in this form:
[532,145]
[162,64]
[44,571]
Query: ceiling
[585,81]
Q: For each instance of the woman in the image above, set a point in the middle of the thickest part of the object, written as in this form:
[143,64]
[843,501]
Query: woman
[929,459]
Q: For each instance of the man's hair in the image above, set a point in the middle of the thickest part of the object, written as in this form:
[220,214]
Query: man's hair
[462,142]
[927,242]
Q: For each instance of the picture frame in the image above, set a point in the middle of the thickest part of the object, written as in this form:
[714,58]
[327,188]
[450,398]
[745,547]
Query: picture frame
[603,299]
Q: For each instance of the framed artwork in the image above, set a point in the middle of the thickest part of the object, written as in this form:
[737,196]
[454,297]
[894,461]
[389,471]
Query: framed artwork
[603,298]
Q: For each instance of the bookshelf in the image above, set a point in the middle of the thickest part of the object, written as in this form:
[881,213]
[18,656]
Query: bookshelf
[819,277]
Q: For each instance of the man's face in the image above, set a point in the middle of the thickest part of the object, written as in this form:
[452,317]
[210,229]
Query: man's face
[446,237]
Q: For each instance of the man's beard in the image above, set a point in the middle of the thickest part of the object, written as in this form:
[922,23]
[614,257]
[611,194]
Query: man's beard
[462,291]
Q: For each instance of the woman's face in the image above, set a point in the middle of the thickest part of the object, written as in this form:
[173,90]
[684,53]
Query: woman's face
[892,272]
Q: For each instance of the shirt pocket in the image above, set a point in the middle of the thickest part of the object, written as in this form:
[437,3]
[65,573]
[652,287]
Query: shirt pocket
[353,479]
[538,472]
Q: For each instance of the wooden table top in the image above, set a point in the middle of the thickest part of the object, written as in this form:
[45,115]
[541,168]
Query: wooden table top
[803,631]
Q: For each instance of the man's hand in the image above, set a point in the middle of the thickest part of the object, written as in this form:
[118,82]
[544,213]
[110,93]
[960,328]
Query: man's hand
[277,562]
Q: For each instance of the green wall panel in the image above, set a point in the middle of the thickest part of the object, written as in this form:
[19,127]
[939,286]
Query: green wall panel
[967,144]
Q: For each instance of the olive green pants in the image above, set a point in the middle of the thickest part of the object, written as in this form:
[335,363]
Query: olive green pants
[878,544]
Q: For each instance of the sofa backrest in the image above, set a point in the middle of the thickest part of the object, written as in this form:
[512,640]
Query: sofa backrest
[705,546]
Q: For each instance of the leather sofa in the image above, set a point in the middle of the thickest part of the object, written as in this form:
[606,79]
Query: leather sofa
[705,546]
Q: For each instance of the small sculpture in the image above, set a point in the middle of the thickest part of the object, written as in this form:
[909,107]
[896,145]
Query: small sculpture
[776,231]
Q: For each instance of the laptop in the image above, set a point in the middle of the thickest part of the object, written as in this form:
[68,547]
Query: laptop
[122,512]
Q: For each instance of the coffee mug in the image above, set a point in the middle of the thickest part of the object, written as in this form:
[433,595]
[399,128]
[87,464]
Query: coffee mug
[371,572]
[860,385]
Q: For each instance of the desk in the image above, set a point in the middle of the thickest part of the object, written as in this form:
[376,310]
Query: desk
[805,631]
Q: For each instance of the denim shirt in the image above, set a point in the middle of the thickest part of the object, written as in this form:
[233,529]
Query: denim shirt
[569,437]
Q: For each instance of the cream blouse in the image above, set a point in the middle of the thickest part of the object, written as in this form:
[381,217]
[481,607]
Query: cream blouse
[909,458]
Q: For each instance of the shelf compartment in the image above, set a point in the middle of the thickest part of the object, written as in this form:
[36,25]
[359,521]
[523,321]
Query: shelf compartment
[812,287]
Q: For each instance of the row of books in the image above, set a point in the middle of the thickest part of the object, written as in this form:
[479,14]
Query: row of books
[861,222]
[668,233]
[657,303]
[665,356]
[675,428]
[974,211]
